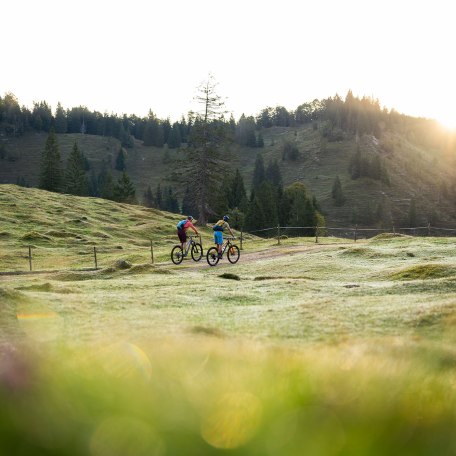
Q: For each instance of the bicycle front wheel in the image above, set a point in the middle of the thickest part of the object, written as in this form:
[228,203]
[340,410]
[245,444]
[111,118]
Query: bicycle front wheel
[212,256]
[197,251]
[233,253]
[177,255]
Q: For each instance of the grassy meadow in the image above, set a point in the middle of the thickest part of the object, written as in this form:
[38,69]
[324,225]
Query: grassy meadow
[329,348]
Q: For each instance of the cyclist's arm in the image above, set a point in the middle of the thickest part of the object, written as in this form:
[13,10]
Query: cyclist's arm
[231,231]
[193,228]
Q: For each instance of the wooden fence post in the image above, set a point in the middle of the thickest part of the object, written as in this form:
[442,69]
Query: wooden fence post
[95,257]
[429,228]
[30,257]
[278,234]
[152,251]
[356,231]
[241,237]
[316,234]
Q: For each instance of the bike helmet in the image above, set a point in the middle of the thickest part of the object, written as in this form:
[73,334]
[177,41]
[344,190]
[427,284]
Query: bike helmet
[190,217]
[225,218]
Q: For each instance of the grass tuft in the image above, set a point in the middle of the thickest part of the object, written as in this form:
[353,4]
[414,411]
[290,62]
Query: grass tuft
[229,275]
[424,271]
[207,331]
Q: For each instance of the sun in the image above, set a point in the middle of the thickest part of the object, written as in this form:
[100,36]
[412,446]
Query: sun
[447,120]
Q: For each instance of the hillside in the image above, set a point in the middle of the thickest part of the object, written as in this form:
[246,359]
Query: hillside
[63,229]
[415,171]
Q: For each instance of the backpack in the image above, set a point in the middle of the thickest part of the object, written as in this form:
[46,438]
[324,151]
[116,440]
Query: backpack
[218,226]
[180,225]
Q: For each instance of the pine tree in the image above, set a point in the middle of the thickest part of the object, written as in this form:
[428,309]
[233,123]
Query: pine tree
[51,175]
[120,160]
[273,174]
[170,202]
[124,190]
[174,137]
[61,124]
[75,178]
[106,185]
[258,172]
[337,193]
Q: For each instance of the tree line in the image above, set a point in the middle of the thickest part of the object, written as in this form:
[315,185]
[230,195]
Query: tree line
[336,116]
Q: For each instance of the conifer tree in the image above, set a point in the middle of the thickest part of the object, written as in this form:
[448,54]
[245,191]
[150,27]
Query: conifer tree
[124,190]
[120,160]
[61,124]
[51,174]
[170,202]
[258,172]
[273,174]
[75,178]
[174,137]
[106,185]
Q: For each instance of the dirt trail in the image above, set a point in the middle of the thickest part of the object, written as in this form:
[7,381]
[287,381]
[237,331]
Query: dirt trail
[271,252]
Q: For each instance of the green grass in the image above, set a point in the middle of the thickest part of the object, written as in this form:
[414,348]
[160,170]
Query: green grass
[328,348]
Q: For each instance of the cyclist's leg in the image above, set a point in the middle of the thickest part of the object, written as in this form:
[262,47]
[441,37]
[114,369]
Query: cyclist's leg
[182,237]
[218,238]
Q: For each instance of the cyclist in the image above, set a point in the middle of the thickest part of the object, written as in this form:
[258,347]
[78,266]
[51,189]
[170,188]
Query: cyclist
[182,228]
[218,228]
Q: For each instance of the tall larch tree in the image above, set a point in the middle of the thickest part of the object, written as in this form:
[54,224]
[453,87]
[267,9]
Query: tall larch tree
[204,159]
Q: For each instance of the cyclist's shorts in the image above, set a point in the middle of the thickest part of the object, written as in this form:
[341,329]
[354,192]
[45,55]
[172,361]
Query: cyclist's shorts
[182,234]
[218,237]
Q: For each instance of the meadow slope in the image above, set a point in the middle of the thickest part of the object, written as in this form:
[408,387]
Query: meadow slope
[330,348]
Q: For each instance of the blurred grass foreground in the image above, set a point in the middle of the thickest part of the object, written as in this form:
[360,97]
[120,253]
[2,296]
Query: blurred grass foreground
[198,395]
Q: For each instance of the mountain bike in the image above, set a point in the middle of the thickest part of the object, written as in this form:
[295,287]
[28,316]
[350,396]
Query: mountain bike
[232,252]
[195,248]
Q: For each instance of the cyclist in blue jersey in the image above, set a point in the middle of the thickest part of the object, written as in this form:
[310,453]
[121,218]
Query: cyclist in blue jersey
[182,228]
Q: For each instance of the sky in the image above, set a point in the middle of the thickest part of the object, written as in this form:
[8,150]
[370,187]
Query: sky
[132,57]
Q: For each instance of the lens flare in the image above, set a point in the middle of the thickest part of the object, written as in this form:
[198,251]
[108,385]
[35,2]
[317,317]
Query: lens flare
[233,421]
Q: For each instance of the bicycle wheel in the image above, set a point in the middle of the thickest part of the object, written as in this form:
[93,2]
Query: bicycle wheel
[177,254]
[212,256]
[233,253]
[197,251]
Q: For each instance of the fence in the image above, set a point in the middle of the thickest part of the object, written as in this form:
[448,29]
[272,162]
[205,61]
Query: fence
[82,258]
[33,259]
[354,233]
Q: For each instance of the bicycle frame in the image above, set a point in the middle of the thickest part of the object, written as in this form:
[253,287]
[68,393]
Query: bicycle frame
[226,244]
[188,244]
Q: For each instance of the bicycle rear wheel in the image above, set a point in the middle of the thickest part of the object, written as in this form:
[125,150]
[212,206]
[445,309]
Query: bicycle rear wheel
[177,255]
[212,256]
[197,251]
[233,253]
